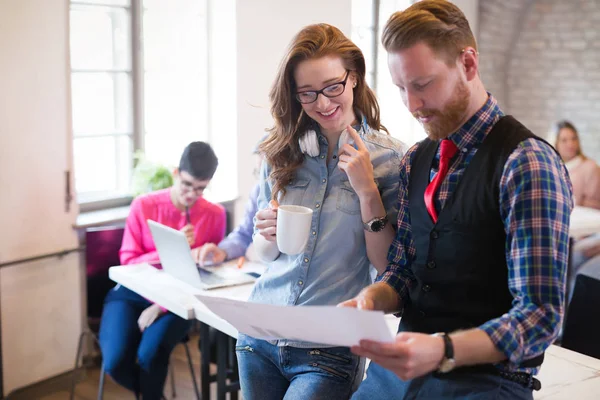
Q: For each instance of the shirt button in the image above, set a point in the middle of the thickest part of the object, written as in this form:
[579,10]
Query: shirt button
[431,264]
[317,205]
[324,180]
[314,233]
[426,288]
[434,235]
[464,150]
[300,283]
[306,260]
[322,157]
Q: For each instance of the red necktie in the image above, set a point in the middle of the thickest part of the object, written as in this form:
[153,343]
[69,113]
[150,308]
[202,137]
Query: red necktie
[447,151]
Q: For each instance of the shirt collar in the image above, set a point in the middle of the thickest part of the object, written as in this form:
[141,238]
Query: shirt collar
[474,131]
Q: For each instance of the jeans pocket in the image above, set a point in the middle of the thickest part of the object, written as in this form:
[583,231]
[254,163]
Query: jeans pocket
[334,363]
[330,356]
[244,349]
[331,370]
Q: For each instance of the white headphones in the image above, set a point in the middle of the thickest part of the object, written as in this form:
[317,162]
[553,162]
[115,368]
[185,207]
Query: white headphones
[309,142]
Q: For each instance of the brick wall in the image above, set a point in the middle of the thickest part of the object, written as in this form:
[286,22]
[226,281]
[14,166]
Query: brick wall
[541,59]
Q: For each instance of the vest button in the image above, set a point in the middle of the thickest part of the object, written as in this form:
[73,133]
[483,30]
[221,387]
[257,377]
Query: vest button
[434,235]
[431,264]
[421,313]
[426,288]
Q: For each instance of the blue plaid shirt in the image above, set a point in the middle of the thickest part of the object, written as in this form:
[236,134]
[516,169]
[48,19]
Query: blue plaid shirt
[535,205]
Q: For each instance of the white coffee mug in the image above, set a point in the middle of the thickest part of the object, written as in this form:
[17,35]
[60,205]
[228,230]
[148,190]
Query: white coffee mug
[293,228]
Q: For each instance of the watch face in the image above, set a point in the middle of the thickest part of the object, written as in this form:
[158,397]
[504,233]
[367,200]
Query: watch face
[447,365]
[376,226]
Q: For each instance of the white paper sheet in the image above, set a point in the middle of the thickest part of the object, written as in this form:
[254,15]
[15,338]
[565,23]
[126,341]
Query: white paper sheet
[335,326]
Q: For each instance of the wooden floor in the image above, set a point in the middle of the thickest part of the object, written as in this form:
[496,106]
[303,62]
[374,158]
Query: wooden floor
[88,388]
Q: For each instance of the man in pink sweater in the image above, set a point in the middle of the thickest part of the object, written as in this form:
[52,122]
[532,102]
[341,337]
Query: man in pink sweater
[136,336]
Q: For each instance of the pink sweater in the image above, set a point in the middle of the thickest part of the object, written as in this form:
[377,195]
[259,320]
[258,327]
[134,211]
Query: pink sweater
[585,177]
[208,219]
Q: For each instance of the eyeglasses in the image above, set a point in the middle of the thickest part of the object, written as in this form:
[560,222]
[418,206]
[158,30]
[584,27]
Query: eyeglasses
[333,90]
[188,187]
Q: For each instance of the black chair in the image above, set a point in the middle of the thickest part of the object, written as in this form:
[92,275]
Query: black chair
[101,252]
[582,328]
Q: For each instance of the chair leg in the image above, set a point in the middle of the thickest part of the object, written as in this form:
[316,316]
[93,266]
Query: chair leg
[77,357]
[172,373]
[189,359]
[101,383]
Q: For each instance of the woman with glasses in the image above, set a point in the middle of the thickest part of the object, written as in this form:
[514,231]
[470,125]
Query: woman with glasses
[326,152]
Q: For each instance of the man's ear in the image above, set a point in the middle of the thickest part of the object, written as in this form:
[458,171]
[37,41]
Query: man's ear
[469,59]
[175,173]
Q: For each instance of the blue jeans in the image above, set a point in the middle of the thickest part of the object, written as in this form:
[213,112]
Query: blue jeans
[384,384]
[271,372]
[135,360]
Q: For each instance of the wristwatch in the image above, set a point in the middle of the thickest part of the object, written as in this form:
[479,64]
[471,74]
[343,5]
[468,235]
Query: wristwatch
[448,362]
[376,224]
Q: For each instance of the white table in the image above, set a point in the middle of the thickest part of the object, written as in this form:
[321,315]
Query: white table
[584,221]
[565,374]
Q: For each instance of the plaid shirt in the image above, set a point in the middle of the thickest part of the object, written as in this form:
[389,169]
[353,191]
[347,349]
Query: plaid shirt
[535,205]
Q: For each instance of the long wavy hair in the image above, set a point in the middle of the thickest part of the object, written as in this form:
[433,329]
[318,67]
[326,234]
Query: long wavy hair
[564,124]
[281,149]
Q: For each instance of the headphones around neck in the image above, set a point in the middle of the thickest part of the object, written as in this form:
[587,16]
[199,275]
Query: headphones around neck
[309,141]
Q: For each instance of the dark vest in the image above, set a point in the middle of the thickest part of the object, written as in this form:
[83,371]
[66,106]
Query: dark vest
[460,264]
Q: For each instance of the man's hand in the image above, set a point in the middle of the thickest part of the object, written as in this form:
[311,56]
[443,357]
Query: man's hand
[378,296]
[266,221]
[148,316]
[410,355]
[188,230]
[209,252]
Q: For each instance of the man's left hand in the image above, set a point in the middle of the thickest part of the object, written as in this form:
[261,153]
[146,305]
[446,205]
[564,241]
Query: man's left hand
[410,355]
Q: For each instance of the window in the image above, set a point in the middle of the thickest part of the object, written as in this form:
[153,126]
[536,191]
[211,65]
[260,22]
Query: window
[368,21]
[139,74]
[101,85]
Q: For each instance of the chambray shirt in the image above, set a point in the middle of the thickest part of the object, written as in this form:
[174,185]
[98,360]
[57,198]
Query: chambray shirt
[334,266]
[535,206]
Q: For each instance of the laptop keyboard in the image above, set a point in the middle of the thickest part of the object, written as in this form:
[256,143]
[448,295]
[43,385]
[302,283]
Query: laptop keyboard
[208,278]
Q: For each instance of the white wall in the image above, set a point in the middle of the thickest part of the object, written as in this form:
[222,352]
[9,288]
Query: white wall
[39,301]
[471,10]
[264,29]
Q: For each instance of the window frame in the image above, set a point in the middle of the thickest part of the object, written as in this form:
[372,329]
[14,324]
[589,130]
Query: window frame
[91,202]
[137,74]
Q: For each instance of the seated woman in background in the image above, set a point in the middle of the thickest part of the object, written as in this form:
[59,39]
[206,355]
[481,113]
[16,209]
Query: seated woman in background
[583,171]
[585,176]
[136,336]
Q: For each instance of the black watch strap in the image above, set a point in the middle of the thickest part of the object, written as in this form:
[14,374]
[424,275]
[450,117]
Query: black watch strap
[448,347]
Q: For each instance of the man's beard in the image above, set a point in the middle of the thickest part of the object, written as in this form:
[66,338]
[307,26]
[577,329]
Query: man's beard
[448,120]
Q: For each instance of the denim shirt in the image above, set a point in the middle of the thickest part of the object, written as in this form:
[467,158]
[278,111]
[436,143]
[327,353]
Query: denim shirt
[334,265]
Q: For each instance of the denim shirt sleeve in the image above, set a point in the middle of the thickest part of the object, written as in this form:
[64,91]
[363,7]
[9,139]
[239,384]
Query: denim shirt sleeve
[237,242]
[386,154]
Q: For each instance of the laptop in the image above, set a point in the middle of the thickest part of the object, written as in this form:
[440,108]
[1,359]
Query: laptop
[176,259]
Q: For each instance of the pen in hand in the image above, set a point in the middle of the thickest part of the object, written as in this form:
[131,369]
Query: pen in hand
[188,219]
[240,262]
